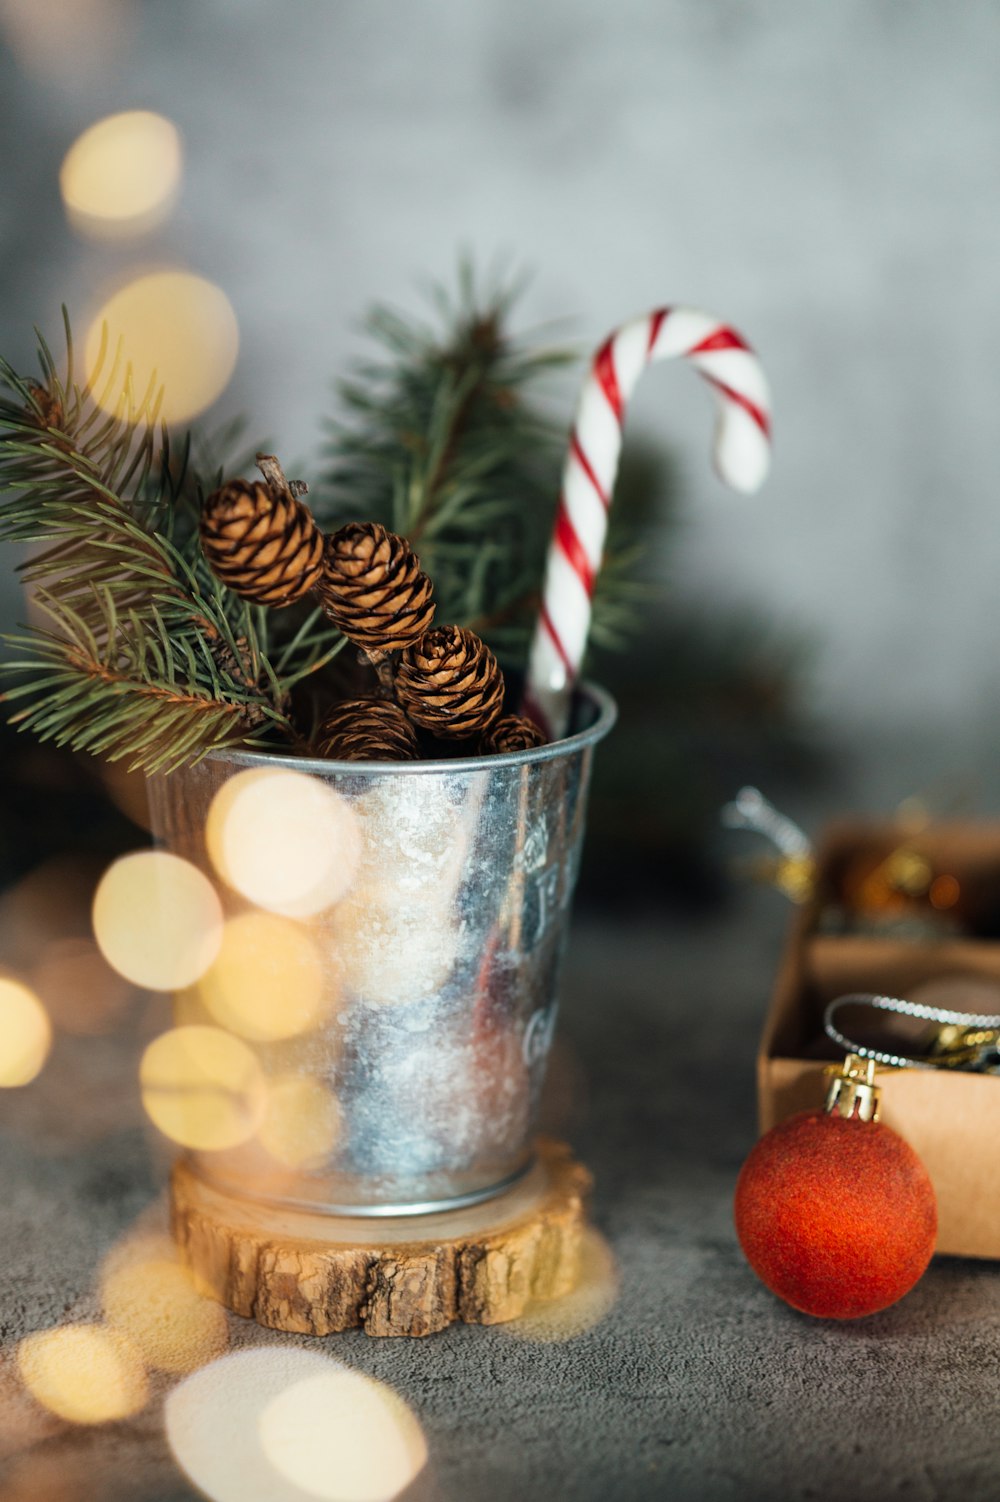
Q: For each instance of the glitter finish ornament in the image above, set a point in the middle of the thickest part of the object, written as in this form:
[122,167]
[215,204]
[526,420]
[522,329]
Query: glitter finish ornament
[835,1213]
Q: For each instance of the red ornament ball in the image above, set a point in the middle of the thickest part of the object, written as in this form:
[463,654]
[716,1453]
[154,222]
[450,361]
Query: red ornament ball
[836,1216]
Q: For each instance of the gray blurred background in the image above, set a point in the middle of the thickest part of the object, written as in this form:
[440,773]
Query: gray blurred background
[823,176]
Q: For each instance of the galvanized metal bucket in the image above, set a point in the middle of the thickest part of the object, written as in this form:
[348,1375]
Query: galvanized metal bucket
[433,900]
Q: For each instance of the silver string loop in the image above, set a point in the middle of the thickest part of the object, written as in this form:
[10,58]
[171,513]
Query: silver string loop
[962,1040]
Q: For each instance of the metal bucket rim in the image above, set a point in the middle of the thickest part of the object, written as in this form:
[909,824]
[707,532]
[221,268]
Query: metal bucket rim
[570,745]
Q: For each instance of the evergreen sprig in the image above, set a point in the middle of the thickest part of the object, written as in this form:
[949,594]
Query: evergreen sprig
[448,439]
[143,653]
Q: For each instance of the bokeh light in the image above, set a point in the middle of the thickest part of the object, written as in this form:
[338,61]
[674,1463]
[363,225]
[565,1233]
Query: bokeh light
[944,892]
[552,1321]
[283,1425]
[284,840]
[128,790]
[344,1437]
[202,1088]
[267,981]
[52,902]
[65,40]
[84,1373]
[175,330]
[121,176]
[44,1475]
[157,920]
[79,989]
[25,1034]
[301,1121]
[151,1297]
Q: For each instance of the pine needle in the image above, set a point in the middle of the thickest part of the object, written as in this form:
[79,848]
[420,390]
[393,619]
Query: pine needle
[449,439]
[144,655]
[446,437]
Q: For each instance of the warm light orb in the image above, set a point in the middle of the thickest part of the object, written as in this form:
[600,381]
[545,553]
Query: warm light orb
[173,329]
[83,1373]
[278,1424]
[301,1121]
[120,177]
[284,840]
[150,1296]
[267,982]
[68,41]
[202,1087]
[157,920]
[944,892]
[78,987]
[344,1437]
[40,1474]
[25,1034]
[550,1322]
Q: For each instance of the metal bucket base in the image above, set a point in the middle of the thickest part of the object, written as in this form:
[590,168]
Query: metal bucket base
[316,1274]
[347,1211]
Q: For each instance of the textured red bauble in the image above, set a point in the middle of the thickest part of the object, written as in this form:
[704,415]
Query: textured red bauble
[837,1216]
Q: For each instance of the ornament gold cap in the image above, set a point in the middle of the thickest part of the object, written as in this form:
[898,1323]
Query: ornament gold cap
[853,1091]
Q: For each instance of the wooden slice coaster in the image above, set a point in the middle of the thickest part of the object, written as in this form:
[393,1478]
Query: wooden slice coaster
[409,1275]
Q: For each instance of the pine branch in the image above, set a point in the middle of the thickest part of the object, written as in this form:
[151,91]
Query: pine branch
[145,655]
[439,443]
[448,439]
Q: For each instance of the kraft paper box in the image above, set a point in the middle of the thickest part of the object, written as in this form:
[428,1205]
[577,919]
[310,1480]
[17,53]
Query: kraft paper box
[951,1119]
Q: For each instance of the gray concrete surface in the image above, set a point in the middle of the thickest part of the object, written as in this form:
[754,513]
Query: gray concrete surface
[696,1385]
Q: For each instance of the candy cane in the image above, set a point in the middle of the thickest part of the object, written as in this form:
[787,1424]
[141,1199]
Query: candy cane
[742,453]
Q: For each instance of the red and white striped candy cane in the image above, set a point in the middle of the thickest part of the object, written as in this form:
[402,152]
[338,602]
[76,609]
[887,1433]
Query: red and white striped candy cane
[742,452]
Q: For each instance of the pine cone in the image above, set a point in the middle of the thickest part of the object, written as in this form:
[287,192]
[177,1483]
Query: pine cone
[367,730]
[512,733]
[372,588]
[449,682]
[261,543]
[50,413]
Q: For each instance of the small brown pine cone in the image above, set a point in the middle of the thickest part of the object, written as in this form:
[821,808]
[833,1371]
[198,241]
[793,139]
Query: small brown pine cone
[372,588]
[512,733]
[367,730]
[449,682]
[50,413]
[262,544]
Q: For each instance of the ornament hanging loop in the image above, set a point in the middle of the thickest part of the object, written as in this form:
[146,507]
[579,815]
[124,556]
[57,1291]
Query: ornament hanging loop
[853,1091]
[957,1040]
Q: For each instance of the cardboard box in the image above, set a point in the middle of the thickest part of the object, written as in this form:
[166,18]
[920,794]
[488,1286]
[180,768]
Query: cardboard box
[951,1119]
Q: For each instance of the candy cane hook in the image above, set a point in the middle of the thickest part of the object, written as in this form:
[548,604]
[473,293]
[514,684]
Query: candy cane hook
[742,451]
